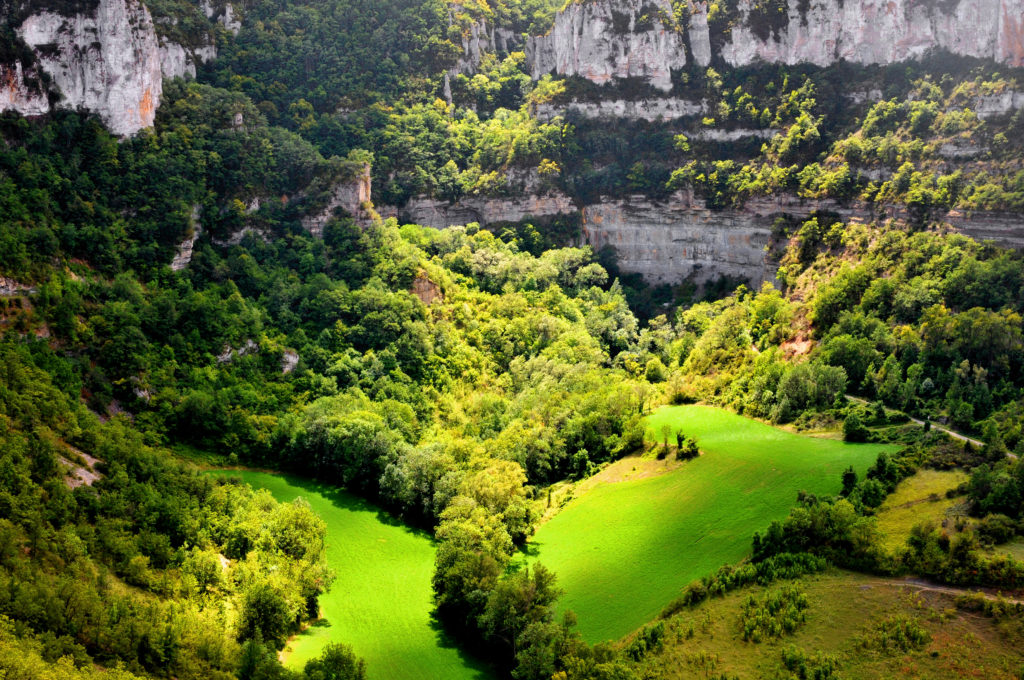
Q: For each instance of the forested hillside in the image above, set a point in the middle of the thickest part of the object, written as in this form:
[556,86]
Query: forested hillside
[199,293]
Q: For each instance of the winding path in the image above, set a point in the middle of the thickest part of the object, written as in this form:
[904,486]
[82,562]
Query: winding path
[922,584]
[940,428]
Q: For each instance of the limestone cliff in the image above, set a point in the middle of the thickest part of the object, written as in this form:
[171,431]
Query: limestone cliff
[351,196]
[882,32]
[602,40]
[610,39]
[105,57]
[679,238]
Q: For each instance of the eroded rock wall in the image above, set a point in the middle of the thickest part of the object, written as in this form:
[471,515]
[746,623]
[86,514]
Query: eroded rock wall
[602,40]
[611,39]
[351,196]
[882,32]
[440,214]
[679,238]
[109,60]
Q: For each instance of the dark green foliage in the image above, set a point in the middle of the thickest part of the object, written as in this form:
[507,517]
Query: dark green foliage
[649,639]
[336,662]
[854,430]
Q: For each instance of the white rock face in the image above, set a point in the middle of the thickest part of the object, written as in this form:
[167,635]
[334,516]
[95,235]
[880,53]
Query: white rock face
[588,39]
[440,214]
[990,106]
[110,62]
[17,93]
[883,31]
[184,255]
[352,196]
[480,41]
[177,61]
[700,36]
[680,239]
[670,241]
[610,39]
[717,135]
[229,20]
[107,62]
[667,108]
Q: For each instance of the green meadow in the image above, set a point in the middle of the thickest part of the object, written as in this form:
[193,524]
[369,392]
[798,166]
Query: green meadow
[381,601]
[622,550]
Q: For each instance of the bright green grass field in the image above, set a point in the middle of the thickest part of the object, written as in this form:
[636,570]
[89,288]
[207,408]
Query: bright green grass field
[623,550]
[381,601]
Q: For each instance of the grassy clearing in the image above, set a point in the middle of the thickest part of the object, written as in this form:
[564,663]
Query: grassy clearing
[920,498]
[380,603]
[845,616]
[623,549]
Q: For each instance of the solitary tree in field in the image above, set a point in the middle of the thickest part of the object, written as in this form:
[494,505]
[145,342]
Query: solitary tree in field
[849,480]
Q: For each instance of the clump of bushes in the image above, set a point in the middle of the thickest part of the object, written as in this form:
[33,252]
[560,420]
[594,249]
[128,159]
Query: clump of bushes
[728,578]
[775,615]
[894,634]
[820,666]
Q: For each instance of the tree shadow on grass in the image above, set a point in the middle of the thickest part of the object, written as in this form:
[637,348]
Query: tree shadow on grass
[471,656]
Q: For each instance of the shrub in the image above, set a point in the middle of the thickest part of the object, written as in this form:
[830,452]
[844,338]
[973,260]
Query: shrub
[776,615]
[894,634]
[854,429]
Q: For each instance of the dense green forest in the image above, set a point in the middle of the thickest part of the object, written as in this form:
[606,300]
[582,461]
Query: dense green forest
[456,377]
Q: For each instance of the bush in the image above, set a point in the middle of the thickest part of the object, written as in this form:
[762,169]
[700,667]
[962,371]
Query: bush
[854,429]
[896,634]
[996,529]
[776,615]
[818,667]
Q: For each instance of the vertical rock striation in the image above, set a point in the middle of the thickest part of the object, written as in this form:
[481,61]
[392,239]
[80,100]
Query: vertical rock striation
[351,196]
[602,40]
[882,32]
[610,39]
[107,59]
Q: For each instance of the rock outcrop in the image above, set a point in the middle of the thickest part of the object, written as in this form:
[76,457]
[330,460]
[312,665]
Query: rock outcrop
[603,40]
[679,238]
[480,40]
[351,196]
[183,256]
[663,108]
[882,32]
[610,39]
[22,90]
[109,60]
[440,214]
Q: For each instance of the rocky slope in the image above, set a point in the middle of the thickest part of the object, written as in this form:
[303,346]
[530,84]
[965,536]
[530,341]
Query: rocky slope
[108,59]
[601,40]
